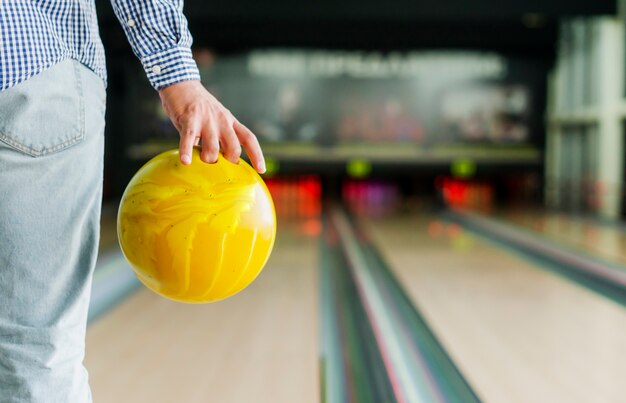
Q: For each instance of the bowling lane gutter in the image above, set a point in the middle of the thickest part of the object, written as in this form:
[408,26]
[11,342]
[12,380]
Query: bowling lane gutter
[599,221]
[604,277]
[113,281]
[371,321]
[351,365]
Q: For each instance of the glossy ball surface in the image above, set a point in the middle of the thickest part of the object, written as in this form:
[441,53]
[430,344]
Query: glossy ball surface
[197,233]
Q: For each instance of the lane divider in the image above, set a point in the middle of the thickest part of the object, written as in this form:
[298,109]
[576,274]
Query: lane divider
[407,387]
[352,366]
[605,277]
[417,367]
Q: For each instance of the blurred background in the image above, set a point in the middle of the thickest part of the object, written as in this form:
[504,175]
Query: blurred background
[449,185]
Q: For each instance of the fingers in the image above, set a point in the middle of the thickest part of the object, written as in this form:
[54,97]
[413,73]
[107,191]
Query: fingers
[189,136]
[210,141]
[249,141]
[217,133]
[199,117]
[231,149]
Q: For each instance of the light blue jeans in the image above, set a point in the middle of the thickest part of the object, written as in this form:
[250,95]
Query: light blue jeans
[51,161]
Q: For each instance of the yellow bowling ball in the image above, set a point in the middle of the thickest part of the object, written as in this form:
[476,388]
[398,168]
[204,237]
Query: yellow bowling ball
[196,233]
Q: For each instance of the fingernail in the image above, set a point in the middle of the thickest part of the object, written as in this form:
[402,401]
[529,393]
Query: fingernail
[262,167]
[186,159]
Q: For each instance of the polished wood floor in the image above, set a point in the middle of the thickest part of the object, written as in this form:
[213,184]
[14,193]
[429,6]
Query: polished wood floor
[518,333]
[258,346]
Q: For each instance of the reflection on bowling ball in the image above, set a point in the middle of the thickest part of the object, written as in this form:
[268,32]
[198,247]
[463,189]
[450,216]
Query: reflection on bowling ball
[196,233]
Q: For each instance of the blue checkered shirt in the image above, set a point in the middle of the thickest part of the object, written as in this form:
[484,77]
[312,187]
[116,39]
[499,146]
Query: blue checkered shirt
[36,34]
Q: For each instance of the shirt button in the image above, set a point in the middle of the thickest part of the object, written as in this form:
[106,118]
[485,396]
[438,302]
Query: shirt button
[130,23]
[156,69]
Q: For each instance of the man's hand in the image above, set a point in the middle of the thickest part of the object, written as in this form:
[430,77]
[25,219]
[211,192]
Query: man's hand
[198,115]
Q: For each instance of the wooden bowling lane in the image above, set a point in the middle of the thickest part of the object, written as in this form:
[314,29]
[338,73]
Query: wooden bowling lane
[604,239]
[258,346]
[517,333]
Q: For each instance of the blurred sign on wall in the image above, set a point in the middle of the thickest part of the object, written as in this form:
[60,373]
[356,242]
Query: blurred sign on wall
[352,103]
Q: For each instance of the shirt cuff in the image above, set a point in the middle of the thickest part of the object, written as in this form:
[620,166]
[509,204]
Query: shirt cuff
[170,66]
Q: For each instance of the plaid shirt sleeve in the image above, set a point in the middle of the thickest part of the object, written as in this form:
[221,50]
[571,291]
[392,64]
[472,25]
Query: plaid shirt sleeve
[157,32]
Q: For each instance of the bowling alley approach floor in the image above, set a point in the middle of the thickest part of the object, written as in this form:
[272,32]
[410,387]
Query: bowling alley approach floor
[403,307]
[261,346]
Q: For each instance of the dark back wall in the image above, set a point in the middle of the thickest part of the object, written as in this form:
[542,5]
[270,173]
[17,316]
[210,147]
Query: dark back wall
[520,26]
[520,29]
